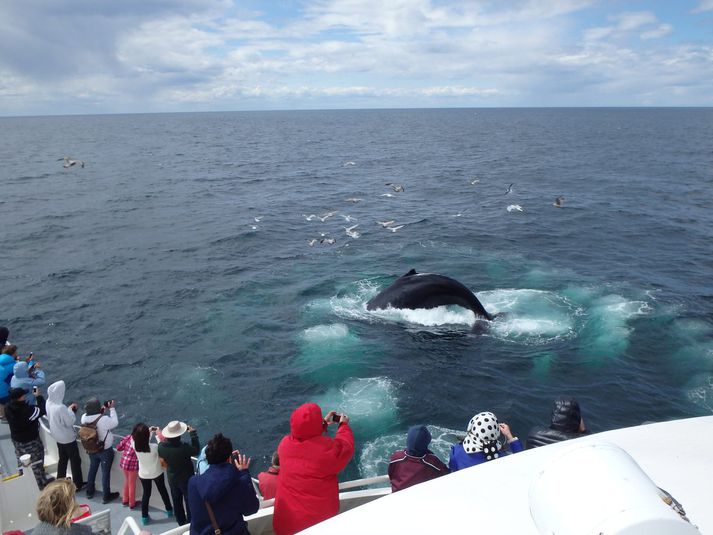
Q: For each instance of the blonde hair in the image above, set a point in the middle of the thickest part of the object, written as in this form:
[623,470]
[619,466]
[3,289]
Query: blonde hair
[56,504]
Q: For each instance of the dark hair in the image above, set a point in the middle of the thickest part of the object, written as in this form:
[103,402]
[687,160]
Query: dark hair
[275,459]
[9,349]
[141,436]
[218,449]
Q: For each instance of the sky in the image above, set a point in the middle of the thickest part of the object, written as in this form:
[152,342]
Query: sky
[134,56]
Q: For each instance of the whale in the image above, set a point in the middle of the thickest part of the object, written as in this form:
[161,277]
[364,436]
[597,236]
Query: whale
[427,290]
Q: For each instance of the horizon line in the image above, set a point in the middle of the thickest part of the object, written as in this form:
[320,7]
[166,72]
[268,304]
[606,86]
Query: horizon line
[282,110]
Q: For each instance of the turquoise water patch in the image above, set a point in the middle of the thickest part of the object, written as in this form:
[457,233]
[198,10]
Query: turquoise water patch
[531,316]
[370,403]
[329,353]
[375,454]
[606,328]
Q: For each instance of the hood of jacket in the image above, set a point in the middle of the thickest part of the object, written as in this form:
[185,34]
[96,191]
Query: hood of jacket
[21,370]
[417,440]
[217,481]
[306,421]
[55,393]
[566,415]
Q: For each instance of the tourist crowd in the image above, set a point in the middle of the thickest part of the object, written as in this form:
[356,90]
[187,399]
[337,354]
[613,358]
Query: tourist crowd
[302,477]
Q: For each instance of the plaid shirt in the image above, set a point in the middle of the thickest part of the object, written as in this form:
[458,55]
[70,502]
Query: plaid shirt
[129,461]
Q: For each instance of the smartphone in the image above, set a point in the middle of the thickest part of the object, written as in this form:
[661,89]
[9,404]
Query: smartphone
[336,417]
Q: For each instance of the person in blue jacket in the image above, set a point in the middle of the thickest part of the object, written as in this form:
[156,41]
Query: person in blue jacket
[22,379]
[226,487]
[483,442]
[7,364]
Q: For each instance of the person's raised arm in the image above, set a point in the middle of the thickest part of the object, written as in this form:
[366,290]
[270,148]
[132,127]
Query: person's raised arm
[343,446]
[195,447]
[113,418]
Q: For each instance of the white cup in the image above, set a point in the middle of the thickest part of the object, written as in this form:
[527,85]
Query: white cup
[26,459]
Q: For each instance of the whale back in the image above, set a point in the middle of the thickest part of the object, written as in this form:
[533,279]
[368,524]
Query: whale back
[427,290]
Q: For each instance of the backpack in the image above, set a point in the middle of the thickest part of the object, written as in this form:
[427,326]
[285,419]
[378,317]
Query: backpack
[89,437]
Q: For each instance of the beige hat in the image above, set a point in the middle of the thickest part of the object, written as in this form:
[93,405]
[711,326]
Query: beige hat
[174,429]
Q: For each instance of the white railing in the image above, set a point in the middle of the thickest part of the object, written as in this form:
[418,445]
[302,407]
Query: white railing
[355,483]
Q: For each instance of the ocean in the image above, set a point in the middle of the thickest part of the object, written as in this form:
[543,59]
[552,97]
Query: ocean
[174,272]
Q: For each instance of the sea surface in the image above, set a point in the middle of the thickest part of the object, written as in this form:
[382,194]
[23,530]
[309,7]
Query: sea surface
[174,273]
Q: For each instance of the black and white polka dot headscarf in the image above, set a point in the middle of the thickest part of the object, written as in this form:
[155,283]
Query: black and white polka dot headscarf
[482,435]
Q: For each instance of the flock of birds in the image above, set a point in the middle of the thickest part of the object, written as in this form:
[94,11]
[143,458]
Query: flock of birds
[351,231]
[389,224]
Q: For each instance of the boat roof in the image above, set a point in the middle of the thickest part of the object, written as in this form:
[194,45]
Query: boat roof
[494,497]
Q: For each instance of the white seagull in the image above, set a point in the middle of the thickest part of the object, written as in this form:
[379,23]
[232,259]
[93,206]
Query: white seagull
[396,187]
[312,242]
[514,207]
[349,218]
[69,162]
[258,219]
[386,223]
[351,232]
[348,164]
[475,181]
[394,229]
[386,195]
[509,190]
[353,199]
[326,216]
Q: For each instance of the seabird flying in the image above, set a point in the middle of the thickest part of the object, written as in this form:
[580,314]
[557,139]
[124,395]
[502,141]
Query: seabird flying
[394,229]
[349,218]
[386,223]
[351,232]
[475,181]
[328,241]
[69,162]
[559,202]
[509,190]
[348,164]
[514,207]
[326,216]
[396,187]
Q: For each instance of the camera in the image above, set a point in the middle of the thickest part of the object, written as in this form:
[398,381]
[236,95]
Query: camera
[336,417]
[107,402]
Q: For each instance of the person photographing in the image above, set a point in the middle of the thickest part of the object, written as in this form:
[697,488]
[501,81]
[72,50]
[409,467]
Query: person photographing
[307,488]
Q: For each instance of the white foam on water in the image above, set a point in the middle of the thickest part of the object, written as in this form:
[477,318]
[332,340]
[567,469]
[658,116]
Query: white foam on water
[375,454]
[700,390]
[325,333]
[369,402]
[530,315]
[607,328]
[427,317]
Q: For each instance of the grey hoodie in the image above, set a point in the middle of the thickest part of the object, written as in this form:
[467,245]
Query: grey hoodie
[22,379]
[61,417]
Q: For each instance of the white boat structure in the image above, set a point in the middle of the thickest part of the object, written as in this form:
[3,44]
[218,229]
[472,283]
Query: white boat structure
[632,481]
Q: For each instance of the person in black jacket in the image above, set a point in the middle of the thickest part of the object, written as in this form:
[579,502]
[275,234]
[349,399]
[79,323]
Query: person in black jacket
[567,423]
[24,422]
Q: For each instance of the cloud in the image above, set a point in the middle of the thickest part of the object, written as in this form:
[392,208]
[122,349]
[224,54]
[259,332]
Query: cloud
[704,5]
[660,31]
[159,55]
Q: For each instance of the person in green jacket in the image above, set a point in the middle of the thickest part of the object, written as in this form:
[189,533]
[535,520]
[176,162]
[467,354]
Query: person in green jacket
[176,458]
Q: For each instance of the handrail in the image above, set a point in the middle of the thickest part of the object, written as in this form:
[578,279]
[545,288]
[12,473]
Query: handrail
[129,524]
[363,482]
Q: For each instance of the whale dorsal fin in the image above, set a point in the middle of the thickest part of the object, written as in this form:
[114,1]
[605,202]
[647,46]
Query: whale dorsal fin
[412,272]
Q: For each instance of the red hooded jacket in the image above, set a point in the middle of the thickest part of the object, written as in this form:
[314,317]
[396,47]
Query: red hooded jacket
[307,488]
